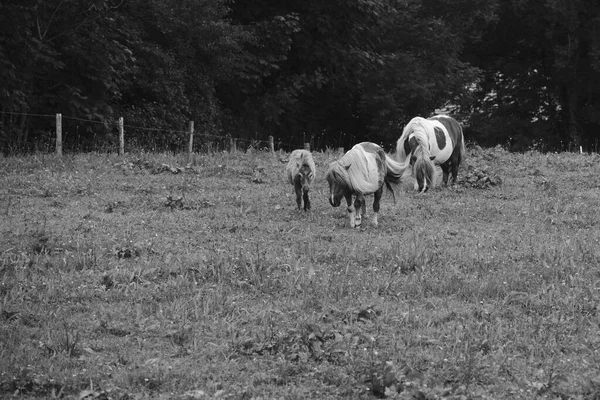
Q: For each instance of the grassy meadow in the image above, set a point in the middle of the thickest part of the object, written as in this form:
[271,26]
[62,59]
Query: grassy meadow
[134,277]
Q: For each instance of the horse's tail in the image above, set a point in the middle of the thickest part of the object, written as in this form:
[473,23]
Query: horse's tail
[396,173]
[396,170]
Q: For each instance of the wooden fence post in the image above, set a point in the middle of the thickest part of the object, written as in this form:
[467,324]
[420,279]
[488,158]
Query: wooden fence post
[59,134]
[307,146]
[233,145]
[121,136]
[271,145]
[191,145]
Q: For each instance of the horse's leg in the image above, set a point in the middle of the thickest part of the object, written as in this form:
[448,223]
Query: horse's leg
[298,188]
[351,211]
[454,171]
[359,206]
[445,171]
[377,195]
[455,162]
[306,201]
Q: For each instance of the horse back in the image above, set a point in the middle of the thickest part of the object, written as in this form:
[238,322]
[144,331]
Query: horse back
[375,150]
[453,127]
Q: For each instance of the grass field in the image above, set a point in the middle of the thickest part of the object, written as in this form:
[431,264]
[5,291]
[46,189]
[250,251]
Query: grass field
[131,278]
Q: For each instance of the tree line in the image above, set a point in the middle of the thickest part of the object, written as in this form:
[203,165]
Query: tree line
[521,73]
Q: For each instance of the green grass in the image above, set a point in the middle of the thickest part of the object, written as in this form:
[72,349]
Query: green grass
[121,278]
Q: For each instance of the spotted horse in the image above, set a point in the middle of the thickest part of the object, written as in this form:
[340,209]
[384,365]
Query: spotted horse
[429,142]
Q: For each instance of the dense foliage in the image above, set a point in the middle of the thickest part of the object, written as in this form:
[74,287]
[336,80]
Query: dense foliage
[519,72]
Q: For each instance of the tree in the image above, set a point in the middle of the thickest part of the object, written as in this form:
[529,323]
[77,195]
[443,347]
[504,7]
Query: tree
[356,69]
[59,56]
[542,68]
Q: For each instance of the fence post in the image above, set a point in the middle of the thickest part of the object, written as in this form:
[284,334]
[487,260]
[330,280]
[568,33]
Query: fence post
[341,150]
[307,146]
[233,145]
[121,136]
[191,145]
[271,145]
[59,134]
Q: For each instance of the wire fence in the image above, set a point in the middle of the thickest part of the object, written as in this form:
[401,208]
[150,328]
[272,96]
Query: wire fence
[52,133]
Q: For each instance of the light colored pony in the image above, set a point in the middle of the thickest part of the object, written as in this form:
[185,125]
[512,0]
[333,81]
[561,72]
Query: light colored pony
[300,171]
[429,142]
[363,170]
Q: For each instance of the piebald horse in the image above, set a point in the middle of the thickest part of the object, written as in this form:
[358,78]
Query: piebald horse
[363,170]
[429,142]
[300,171]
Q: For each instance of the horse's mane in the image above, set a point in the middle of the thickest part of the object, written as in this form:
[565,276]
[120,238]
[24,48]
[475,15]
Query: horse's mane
[353,171]
[299,159]
[420,128]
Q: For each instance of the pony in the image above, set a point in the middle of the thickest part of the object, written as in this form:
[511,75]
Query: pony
[300,171]
[363,170]
[429,142]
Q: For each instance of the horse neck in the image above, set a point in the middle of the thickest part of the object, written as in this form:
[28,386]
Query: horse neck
[422,151]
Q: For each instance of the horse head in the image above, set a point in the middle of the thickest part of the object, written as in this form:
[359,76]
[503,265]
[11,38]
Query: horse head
[306,176]
[423,171]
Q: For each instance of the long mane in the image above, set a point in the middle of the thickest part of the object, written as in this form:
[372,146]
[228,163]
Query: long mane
[356,170]
[298,159]
[422,130]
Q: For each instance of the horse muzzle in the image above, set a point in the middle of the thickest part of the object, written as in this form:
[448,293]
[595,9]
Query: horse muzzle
[334,202]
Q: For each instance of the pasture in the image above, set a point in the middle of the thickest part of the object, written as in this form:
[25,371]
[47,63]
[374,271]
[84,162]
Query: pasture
[132,278]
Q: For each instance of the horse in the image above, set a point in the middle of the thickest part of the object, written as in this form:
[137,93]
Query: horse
[363,170]
[300,171]
[438,140]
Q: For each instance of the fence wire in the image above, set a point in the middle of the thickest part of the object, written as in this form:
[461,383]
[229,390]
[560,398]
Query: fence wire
[178,139]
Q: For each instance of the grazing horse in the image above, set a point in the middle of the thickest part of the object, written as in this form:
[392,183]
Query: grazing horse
[300,171]
[363,170]
[434,141]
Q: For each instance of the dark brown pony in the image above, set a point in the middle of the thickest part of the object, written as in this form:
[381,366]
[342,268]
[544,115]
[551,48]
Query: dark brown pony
[300,171]
[363,170]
